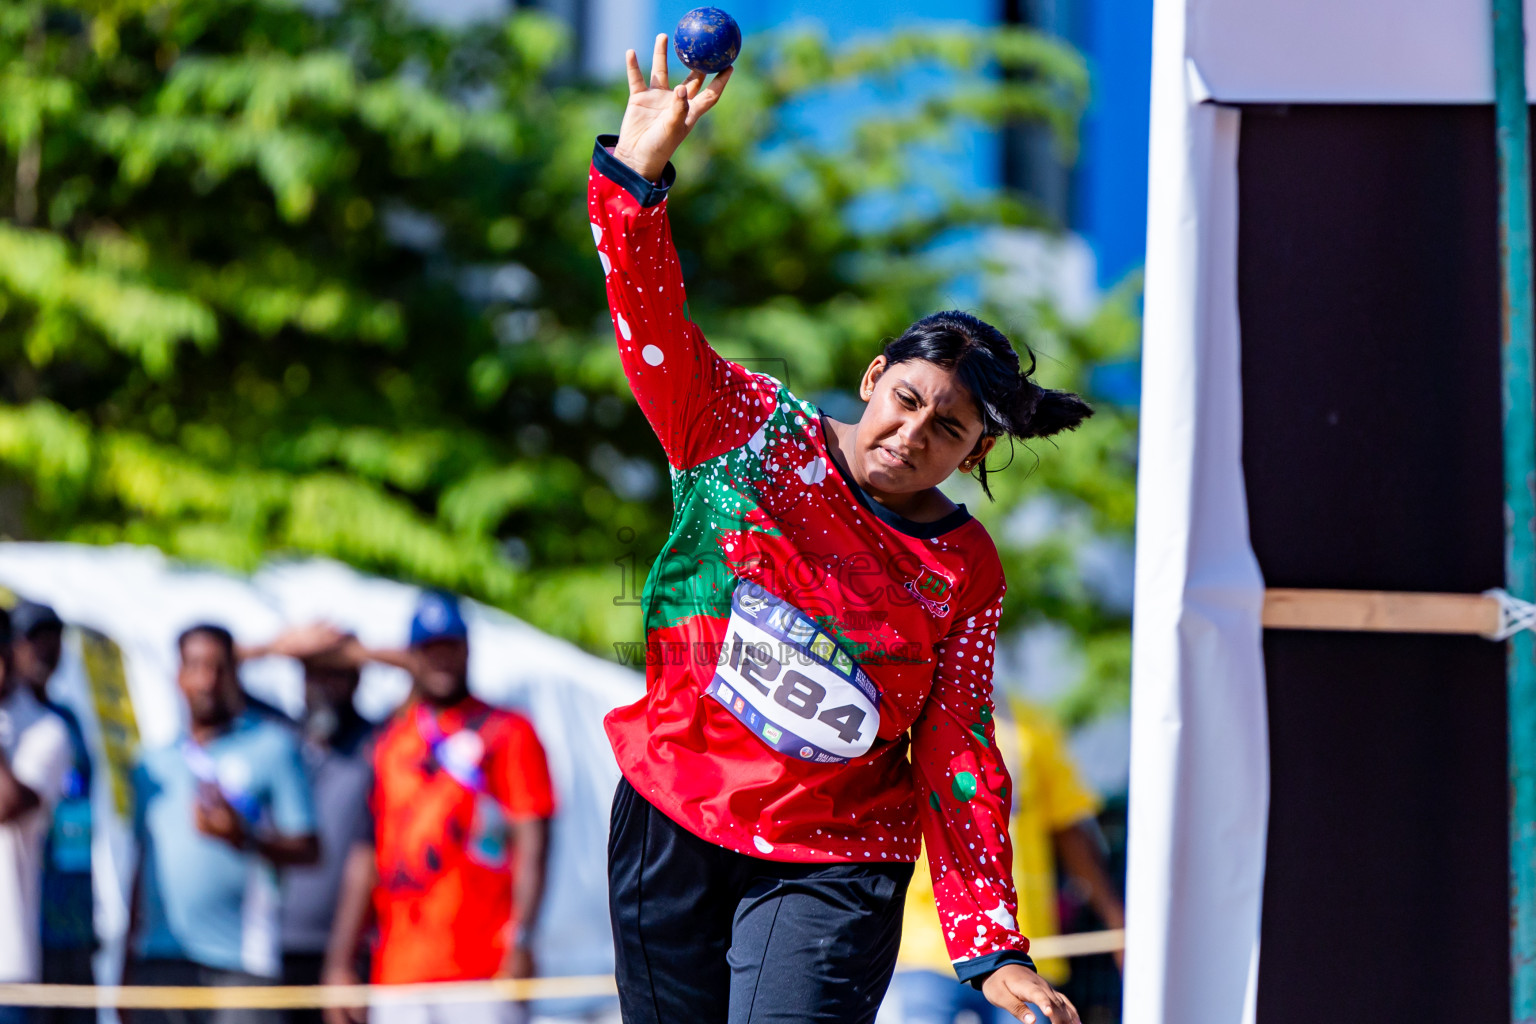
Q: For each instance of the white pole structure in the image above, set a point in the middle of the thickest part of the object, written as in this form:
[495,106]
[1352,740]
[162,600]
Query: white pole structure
[1199,793]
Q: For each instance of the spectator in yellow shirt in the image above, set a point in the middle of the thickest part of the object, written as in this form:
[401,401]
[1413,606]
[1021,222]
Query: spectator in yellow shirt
[1053,812]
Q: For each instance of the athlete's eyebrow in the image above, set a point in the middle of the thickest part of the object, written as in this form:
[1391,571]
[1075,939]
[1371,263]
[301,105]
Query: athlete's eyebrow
[923,400]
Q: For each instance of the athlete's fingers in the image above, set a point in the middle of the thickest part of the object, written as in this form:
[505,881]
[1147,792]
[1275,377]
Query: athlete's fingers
[694,82]
[717,86]
[1036,1009]
[1061,1009]
[632,69]
[1015,1006]
[659,63]
[708,96]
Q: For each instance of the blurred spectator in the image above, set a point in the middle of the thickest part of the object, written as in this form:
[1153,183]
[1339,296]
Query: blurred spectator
[1052,819]
[214,814]
[34,762]
[462,801]
[337,749]
[69,907]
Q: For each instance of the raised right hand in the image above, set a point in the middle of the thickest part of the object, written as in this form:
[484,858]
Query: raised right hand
[658,117]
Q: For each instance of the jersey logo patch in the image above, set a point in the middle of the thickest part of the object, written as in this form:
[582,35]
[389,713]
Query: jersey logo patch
[932,589]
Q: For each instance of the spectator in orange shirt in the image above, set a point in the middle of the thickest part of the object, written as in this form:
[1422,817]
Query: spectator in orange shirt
[461,801]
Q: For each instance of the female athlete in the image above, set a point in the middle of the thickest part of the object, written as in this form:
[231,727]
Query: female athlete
[820,631]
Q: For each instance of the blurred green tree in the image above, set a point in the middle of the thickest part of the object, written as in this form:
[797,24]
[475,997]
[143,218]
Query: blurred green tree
[316,278]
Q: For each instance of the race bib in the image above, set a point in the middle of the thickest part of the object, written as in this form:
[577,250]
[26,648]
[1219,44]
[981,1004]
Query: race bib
[789,682]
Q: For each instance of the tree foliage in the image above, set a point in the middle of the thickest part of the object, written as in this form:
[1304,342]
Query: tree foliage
[298,278]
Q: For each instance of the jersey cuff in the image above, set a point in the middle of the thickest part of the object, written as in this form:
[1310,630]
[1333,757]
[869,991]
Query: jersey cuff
[980,969]
[646,193]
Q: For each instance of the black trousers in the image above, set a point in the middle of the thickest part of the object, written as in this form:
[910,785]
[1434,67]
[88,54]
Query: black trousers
[303,969]
[67,967]
[703,935]
[155,971]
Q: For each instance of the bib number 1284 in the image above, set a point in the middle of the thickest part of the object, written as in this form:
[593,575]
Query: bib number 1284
[791,684]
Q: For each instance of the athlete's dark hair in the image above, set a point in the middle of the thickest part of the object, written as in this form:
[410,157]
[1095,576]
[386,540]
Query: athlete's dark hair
[1009,400]
[218,634]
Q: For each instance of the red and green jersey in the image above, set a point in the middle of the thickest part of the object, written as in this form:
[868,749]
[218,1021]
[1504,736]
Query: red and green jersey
[819,669]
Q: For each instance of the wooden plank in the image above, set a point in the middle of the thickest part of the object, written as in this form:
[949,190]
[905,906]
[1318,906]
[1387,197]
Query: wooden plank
[1052,947]
[1380,611]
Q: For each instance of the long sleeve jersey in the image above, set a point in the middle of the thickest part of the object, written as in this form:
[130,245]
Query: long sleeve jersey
[818,668]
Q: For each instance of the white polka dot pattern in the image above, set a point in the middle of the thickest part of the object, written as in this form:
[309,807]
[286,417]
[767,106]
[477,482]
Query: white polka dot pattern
[955,752]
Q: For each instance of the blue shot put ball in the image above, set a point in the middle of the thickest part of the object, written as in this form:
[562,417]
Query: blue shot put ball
[707,39]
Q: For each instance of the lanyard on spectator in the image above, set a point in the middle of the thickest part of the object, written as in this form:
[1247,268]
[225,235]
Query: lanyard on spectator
[459,753]
[206,771]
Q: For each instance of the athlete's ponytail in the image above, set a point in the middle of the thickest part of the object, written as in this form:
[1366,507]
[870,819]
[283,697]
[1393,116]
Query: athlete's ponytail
[1005,392]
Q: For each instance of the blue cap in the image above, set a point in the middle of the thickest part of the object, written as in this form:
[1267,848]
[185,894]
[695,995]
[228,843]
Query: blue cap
[437,618]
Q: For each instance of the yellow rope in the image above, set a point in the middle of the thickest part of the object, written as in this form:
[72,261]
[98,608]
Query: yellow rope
[309,997]
[302,997]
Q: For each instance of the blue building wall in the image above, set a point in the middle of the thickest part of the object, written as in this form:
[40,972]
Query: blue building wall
[1109,206]
[1111,201]
[843,18]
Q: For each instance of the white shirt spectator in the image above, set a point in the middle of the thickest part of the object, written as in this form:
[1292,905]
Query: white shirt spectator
[35,743]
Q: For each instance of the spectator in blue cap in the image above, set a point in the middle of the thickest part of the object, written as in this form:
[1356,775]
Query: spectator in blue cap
[462,801]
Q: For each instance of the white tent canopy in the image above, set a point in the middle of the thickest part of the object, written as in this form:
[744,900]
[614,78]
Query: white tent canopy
[1341,51]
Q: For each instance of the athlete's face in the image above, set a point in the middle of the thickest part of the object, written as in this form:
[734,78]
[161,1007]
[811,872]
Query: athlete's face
[919,426]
